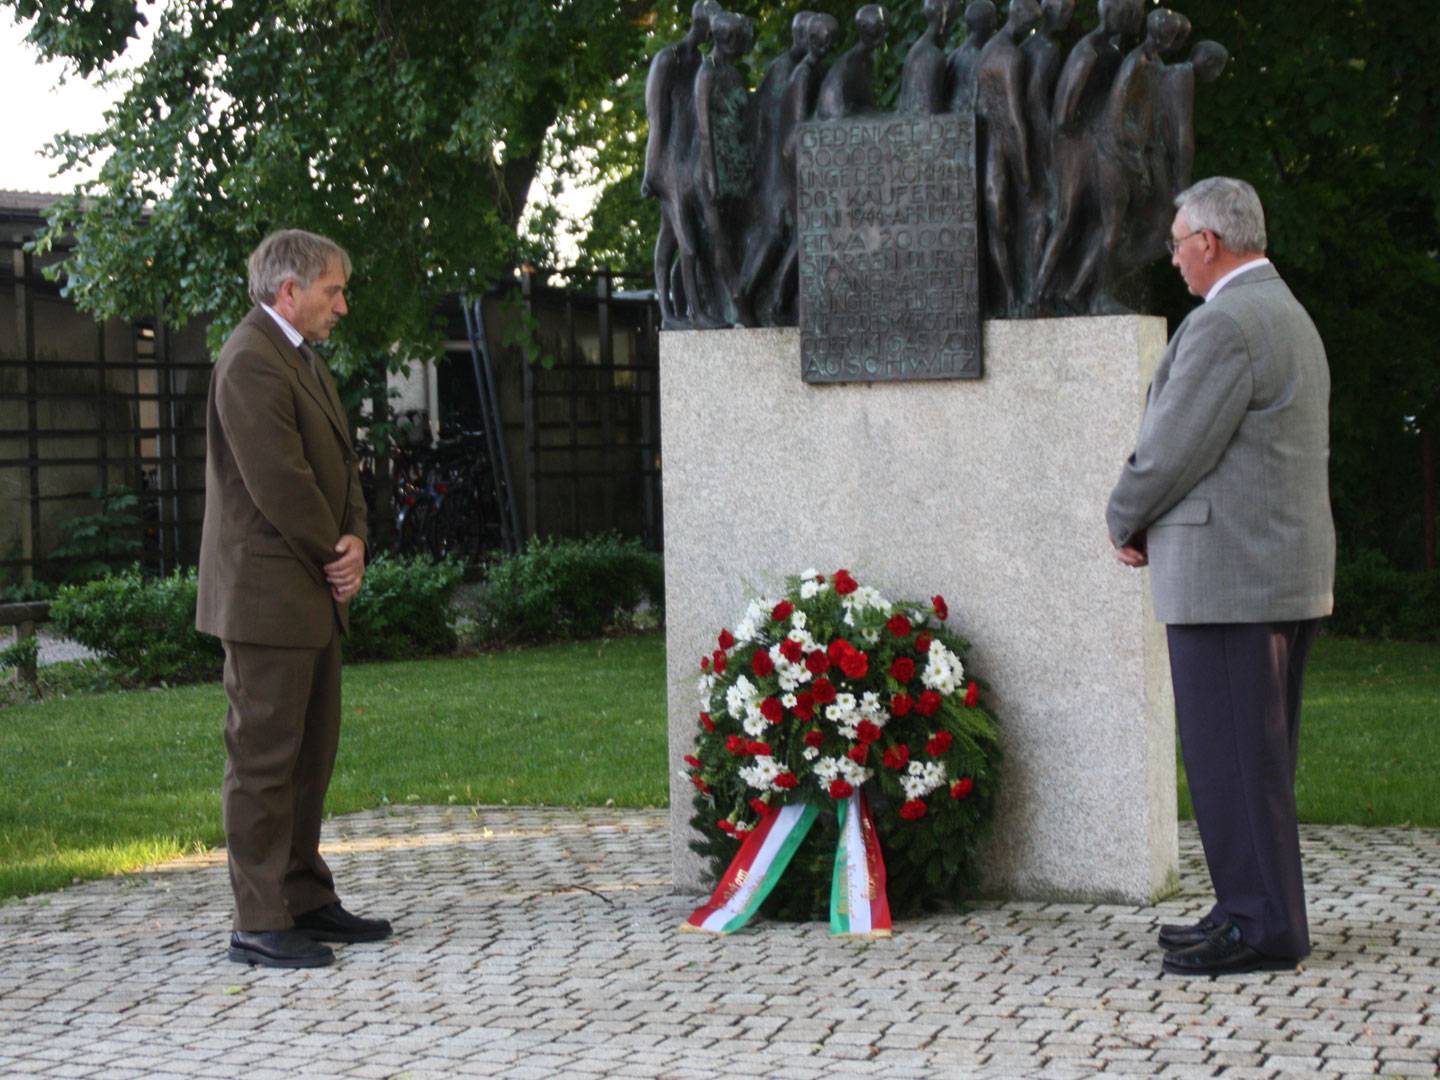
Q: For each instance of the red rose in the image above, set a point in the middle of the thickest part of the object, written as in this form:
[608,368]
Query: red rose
[692,761]
[961,788]
[761,663]
[817,663]
[786,780]
[735,744]
[815,737]
[841,789]
[902,669]
[838,649]
[938,603]
[772,710]
[913,810]
[898,625]
[972,695]
[844,583]
[792,650]
[855,664]
[805,705]
[724,826]
[858,753]
[706,722]
[824,691]
[901,704]
[760,806]
[700,785]
[866,731]
[897,757]
[726,639]
[928,703]
[938,743]
[782,611]
[758,749]
[720,662]
[704,663]
[922,643]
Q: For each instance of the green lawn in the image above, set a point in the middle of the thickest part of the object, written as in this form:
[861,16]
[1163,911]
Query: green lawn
[96,784]
[1369,735]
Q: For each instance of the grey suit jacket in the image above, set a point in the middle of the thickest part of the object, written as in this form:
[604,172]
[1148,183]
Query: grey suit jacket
[1229,481]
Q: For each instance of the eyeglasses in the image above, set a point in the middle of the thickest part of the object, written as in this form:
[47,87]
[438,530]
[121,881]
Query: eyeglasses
[1171,243]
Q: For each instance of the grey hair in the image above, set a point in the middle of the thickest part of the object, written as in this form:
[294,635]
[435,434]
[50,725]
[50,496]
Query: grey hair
[291,253]
[1227,207]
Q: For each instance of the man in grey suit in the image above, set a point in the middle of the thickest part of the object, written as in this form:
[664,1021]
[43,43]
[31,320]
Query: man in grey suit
[1226,497]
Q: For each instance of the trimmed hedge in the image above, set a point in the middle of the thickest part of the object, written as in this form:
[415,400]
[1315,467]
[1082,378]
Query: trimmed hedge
[1375,600]
[145,627]
[569,589]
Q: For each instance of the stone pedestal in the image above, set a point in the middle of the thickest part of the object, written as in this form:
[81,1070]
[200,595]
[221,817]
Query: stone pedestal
[990,492]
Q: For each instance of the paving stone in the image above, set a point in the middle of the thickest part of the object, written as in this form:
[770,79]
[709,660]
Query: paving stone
[544,943]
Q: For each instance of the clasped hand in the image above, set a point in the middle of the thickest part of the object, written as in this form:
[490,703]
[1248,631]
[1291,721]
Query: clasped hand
[346,572]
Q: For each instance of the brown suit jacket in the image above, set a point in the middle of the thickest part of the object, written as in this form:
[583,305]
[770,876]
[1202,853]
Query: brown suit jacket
[282,485]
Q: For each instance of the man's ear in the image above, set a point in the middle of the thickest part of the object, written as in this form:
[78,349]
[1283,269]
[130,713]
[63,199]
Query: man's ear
[285,294]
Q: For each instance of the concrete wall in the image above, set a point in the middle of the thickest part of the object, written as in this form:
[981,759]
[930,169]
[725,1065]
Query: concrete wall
[991,492]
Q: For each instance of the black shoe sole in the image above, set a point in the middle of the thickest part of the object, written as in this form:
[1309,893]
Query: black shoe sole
[1265,964]
[1175,944]
[253,958]
[343,937]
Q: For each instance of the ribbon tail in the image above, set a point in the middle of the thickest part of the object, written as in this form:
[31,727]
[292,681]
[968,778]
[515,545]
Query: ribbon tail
[757,866]
[859,906]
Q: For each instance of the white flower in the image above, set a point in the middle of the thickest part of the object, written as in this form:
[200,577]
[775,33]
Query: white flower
[870,637]
[797,619]
[810,753]
[754,722]
[741,694]
[846,702]
[809,574]
[920,779]
[761,772]
[788,700]
[809,589]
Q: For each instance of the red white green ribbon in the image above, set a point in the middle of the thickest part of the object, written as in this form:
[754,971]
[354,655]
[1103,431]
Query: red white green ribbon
[757,866]
[858,904]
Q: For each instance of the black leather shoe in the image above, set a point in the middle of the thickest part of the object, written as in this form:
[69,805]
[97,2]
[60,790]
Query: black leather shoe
[333,923]
[278,948]
[1173,937]
[1224,952]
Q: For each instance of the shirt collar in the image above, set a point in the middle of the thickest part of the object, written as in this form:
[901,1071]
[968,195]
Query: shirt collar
[292,335]
[1231,276]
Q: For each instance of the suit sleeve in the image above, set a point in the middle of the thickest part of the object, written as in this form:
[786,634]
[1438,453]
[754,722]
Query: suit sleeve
[256,405]
[1188,424]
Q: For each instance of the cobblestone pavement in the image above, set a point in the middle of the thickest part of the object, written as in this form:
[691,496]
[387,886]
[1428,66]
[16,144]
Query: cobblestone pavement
[540,943]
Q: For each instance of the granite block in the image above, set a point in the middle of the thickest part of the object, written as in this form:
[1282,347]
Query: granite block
[991,492]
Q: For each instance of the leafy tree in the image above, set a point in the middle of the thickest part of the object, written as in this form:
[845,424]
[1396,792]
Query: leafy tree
[409,132]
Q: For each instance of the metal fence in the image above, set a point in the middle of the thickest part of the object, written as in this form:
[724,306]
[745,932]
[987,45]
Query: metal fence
[120,407]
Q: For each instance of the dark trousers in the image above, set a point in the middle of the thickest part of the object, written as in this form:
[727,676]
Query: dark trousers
[1237,704]
[281,733]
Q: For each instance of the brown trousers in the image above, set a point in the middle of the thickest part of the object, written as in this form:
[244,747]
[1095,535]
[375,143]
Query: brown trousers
[281,733]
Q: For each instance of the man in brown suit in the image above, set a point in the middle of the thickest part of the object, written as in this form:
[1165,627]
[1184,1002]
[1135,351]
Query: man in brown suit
[282,553]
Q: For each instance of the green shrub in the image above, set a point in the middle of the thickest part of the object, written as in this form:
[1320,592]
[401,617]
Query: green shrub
[559,589]
[403,609]
[104,542]
[1375,600]
[144,627]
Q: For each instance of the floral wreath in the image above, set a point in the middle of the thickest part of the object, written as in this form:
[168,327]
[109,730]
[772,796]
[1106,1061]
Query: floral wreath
[830,690]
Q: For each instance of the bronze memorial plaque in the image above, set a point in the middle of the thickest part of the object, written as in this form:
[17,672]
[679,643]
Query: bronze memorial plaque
[889,280]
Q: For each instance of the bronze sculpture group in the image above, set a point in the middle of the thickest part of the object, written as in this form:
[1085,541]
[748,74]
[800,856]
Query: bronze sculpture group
[1079,153]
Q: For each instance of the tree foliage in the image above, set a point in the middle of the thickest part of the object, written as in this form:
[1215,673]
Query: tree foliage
[411,132]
